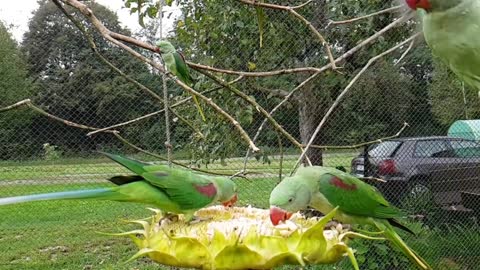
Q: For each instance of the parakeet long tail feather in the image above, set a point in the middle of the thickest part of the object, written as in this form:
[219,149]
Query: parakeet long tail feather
[131,164]
[199,108]
[391,235]
[397,224]
[77,194]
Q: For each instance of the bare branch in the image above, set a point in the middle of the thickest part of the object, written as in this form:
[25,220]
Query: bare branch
[355,146]
[405,53]
[18,104]
[157,112]
[366,16]
[197,66]
[345,91]
[257,106]
[28,103]
[292,11]
[112,37]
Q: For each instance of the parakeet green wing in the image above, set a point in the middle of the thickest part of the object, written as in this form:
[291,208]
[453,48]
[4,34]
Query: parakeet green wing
[355,197]
[188,190]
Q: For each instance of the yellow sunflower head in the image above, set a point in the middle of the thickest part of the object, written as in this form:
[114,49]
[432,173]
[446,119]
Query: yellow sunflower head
[240,238]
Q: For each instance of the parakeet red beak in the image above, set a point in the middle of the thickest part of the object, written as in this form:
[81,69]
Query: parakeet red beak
[277,215]
[414,4]
[231,202]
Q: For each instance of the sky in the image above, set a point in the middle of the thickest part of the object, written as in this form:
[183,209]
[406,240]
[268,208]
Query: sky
[18,12]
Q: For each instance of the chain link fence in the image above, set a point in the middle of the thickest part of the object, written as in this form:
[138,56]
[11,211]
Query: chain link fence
[397,122]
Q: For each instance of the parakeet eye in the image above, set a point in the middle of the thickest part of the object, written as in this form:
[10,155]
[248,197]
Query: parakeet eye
[290,200]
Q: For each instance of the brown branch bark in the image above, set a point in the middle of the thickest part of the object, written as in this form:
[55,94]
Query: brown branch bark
[114,38]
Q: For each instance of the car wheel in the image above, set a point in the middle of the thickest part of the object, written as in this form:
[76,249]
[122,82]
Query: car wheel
[418,200]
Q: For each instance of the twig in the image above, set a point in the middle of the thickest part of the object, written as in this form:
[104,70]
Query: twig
[168,142]
[112,37]
[373,178]
[157,112]
[300,86]
[405,125]
[280,147]
[364,17]
[18,104]
[405,53]
[197,66]
[257,106]
[28,103]
[292,11]
[345,91]
[93,46]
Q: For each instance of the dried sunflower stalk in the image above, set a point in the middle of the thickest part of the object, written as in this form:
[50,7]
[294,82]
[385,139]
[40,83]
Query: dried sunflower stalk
[241,238]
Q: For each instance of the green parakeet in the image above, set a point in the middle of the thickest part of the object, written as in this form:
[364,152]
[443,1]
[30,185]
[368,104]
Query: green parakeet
[452,31]
[325,188]
[175,63]
[172,190]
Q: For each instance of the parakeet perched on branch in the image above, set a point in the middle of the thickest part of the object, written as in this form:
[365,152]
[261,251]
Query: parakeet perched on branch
[325,188]
[175,63]
[172,190]
[452,31]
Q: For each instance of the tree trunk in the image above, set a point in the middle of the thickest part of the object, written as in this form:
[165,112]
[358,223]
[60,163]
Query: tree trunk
[311,99]
[310,114]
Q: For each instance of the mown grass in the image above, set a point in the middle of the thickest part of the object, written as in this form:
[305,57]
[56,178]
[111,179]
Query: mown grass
[63,234]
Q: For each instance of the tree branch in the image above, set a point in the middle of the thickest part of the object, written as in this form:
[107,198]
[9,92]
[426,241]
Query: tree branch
[157,112]
[28,103]
[112,37]
[365,17]
[197,67]
[358,145]
[406,52]
[345,91]
[275,92]
[257,106]
[292,11]
[347,54]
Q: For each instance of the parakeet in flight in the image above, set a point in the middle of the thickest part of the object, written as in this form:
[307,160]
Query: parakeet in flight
[175,63]
[452,31]
[324,188]
[172,190]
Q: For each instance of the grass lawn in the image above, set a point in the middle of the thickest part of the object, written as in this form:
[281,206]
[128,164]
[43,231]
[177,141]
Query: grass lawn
[63,234]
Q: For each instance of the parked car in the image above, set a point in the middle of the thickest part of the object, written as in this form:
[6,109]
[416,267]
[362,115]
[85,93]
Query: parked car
[444,169]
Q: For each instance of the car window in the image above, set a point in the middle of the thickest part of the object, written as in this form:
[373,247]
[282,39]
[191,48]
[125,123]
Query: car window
[384,149]
[458,144]
[465,148]
[433,148]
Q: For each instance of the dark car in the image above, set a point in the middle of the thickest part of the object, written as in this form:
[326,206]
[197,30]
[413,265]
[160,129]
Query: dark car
[446,169]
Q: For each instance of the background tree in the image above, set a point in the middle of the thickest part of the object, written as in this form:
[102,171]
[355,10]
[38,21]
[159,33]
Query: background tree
[14,86]
[72,82]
